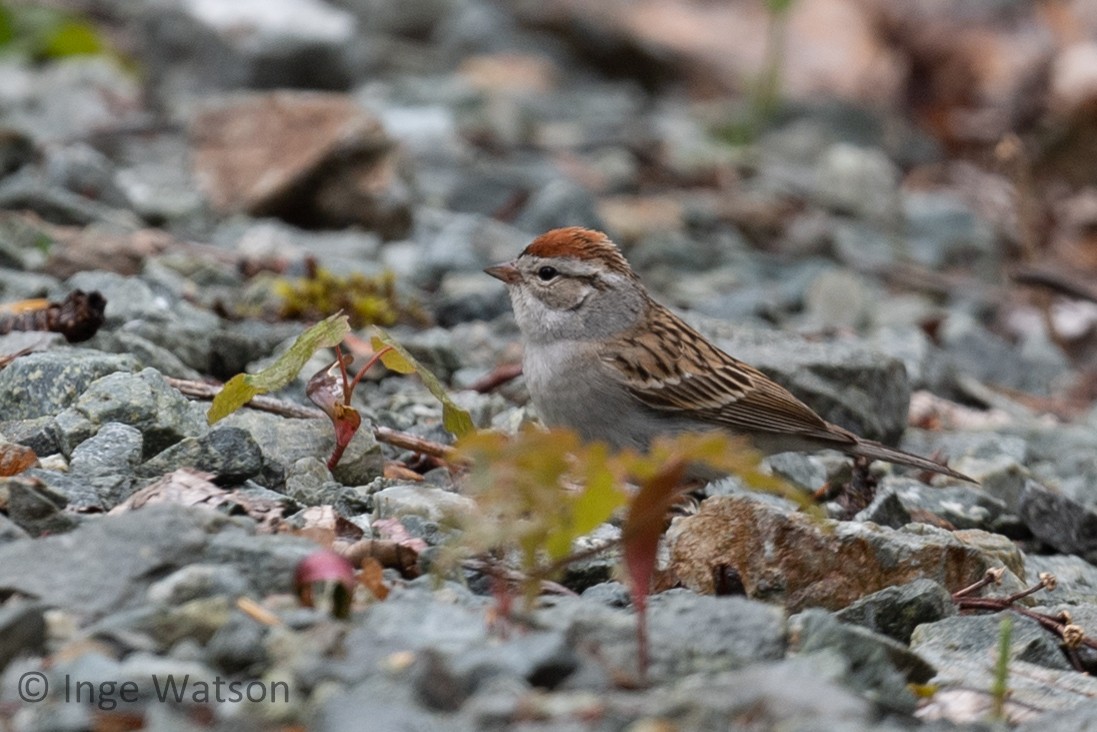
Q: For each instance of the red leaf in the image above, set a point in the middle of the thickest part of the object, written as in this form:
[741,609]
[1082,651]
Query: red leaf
[331,572]
[644,525]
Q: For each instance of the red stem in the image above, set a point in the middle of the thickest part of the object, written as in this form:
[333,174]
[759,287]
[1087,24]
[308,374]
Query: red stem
[362,372]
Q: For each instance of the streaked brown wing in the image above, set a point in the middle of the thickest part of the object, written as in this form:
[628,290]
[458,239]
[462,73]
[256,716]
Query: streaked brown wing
[672,368]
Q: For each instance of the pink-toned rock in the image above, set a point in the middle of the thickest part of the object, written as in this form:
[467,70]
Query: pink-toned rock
[802,561]
[312,158]
[1074,78]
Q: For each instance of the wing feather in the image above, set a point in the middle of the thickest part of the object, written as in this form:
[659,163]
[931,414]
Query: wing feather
[672,368]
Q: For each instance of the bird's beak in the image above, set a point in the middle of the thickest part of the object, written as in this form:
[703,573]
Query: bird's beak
[506,272]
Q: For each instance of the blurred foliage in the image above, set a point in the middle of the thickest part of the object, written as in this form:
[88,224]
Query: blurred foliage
[539,490]
[366,300]
[44,34]
[764,91]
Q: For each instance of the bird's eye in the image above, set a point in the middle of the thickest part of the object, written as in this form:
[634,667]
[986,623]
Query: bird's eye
[547,273]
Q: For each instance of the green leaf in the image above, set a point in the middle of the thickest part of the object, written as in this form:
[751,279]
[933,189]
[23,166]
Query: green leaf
[241,388]
[394,359]
[71,38]
[7,27]
[455,419]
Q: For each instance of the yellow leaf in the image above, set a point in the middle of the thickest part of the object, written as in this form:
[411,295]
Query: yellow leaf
[455,419]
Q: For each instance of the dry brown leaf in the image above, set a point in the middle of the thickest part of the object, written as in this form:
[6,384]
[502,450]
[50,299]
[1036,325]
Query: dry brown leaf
[398,471]
[387,553]
[372,578]
[189,487]
[15,458]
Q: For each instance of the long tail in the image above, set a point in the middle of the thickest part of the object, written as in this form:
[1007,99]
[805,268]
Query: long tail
[876,451]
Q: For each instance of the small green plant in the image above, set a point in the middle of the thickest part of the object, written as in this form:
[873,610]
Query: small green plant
[331,389]
[999,691]
[43,33]
[366,300]
[764,91]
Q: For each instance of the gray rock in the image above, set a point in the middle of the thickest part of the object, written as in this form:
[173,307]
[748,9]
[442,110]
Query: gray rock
[805,471]
[266,561]
[230,453]
[858,181]
[595,568]
[45,383]
[1000,476]
[108,461]
[541,659]
[973,350]
[69,100]
[16,284]
[839,298]
[886,509]
[849,385]
[141,545]
[863,245]
[233,347]
[1077,578]
[10,531]
[941,230]
[433,504]
[1059,521]
[462,296]
[148,354]
[195,45]
[309,481]
[461,242]
[964,506]
[611,594]
[392,705]
[879,667]
[976,636]
[1082,718]
[414,618]
[156,628]
[28,190]
[143,401]
[688,633]
[37,433]
[196,581]
[22,630]
[897,611]
[799,694]
[559,203]
[85,171]
[35,506]
[285,441]
[155,176]
[412,18]
[128,298]
[237,646]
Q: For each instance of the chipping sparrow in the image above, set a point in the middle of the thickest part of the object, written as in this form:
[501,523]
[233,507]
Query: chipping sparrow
[605,359]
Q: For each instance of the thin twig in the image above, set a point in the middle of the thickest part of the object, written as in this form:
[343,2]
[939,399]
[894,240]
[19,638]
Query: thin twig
[396,438]
[203,390]
[415,444]
[496,378]
[1056,279]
